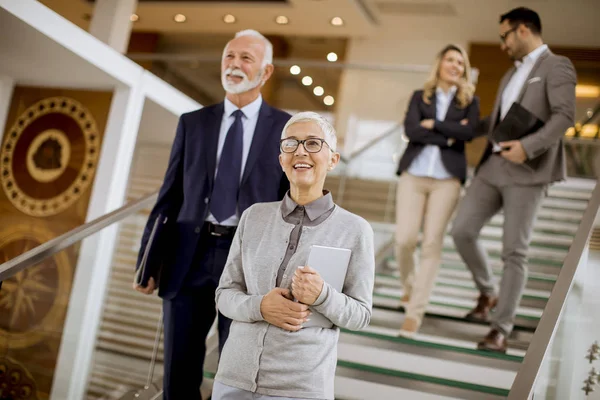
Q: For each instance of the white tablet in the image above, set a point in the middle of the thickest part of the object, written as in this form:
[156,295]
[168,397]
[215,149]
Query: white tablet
[332,264]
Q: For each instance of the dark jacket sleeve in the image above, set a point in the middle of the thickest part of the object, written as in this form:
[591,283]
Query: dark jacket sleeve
[170,196]
[414,131]
[454,130]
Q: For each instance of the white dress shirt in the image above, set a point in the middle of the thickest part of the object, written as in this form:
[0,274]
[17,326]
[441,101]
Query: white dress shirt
[513,88]
[429,161]
[249,121]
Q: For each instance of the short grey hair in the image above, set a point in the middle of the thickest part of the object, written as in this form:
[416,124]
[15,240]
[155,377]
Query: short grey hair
[268,56]
[310,116]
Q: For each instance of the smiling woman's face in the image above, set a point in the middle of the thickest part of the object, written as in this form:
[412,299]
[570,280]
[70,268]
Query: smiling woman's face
[304,170]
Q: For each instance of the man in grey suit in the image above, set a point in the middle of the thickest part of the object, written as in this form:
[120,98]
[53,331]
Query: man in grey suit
[516,176]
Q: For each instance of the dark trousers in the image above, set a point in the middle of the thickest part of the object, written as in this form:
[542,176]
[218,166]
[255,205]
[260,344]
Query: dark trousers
[188,318]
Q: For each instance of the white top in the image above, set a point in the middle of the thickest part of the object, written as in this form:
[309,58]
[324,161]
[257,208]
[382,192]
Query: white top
[514,86]
[249,121]
[429,161]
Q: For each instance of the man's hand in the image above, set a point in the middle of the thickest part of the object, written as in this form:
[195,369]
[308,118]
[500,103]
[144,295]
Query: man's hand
[278,309]
[464,122]
[428,124]
[148,289]
[513,151]
[307,285]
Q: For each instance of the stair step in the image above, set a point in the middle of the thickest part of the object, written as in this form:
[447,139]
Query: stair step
[347,388]
[420,342]
[526,318]
[429,369]
[455,287]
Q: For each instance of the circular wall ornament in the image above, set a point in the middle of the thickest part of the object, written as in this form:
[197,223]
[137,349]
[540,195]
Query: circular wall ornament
[33,303]
[49,156]
[16,382]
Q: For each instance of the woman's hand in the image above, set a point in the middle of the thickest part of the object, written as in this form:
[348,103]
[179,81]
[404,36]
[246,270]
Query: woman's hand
[277,308]
[428,124]
[307,285]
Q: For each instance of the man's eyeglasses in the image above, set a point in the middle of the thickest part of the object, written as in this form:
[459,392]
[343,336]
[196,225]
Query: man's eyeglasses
[505,34]
[312,145]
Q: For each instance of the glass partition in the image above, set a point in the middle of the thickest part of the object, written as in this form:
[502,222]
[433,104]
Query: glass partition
[561,362]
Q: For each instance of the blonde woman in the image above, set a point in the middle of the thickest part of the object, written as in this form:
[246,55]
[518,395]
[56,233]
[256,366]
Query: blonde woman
[440,119]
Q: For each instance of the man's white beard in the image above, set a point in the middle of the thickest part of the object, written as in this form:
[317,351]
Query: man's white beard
[244,86]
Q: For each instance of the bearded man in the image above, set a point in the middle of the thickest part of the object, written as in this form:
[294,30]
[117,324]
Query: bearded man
[224,159]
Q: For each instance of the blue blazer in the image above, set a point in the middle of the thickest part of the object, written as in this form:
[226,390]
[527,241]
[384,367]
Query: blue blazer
[185,194]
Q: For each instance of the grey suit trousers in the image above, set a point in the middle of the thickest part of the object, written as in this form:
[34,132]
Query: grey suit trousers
[490,192]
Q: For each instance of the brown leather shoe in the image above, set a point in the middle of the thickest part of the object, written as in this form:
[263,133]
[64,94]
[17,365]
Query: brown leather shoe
[494,341]
[481,312]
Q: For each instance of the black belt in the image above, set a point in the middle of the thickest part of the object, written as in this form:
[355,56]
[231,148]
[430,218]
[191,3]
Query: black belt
[220,230]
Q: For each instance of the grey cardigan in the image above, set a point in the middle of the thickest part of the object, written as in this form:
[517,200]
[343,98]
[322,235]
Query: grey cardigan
[262,358]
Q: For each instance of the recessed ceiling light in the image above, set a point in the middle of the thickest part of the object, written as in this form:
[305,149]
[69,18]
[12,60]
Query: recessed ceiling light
[134,17]
[229,19]
[282,20]
[179,18]
[295,70]
[332,57]
[318,91]
[337,21]
[307,81]
[328,100]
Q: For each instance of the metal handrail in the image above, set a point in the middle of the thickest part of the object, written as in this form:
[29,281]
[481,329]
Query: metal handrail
[529,369]
[389,132]
[53,246]
[344,176]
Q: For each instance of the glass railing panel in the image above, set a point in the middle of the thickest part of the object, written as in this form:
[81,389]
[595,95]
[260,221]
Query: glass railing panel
[563,353]
[129,323]
[33,307]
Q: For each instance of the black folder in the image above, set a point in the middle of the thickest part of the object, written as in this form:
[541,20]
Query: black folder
[518,123]
[155,252]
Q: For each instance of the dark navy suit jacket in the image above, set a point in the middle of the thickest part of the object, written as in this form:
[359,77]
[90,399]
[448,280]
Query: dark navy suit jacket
[185,194]
[453,157]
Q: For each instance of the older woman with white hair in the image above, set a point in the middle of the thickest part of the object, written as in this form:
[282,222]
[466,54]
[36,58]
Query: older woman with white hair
[269,292]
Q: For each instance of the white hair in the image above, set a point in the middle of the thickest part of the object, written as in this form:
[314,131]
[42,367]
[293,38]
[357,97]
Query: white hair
[268,56]
[310,116]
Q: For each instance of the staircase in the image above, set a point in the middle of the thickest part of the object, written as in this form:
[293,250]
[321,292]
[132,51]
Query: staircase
[441,362]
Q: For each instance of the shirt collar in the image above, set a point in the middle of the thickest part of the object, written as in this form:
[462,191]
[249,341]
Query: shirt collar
[440,92]
[314,209]
[532,56]
[249,110]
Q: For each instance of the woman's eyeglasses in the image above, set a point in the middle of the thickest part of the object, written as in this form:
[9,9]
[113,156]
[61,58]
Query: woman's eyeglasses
[312,145]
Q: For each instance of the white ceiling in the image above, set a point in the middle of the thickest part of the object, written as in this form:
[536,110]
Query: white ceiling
[22,48]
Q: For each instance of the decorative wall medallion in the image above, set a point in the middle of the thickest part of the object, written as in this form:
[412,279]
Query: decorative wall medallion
[49,156]
[16,383]
[33,303]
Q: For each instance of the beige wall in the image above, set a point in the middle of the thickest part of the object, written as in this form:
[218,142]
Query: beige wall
[383,95]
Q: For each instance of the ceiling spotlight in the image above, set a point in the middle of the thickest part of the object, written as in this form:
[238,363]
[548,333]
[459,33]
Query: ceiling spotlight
[295,70]
[328,100]
[229,19]
[307,81]
[134,17]
[179,18]
[337,21]
[318,91]
[332,57]
[282,20]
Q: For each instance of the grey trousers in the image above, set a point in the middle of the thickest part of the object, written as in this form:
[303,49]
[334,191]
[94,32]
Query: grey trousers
[520,205]
[224,392]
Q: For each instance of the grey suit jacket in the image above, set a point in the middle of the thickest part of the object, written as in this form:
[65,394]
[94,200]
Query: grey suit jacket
[549,93]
